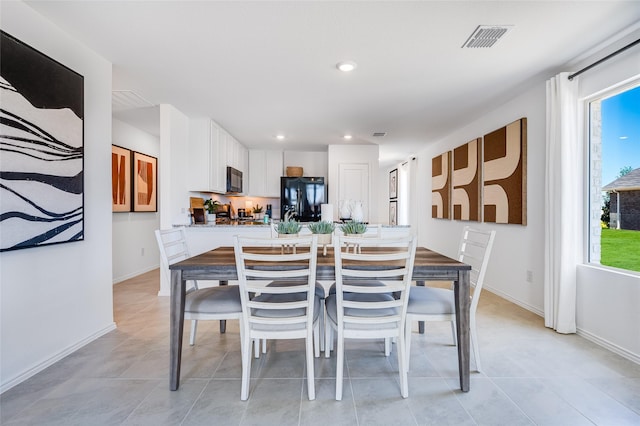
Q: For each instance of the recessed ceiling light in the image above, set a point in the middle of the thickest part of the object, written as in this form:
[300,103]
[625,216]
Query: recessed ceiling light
[280,137]
[346,66]
[347,137]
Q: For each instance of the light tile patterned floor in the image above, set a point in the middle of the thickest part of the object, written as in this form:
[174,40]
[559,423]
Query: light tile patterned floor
[531,376]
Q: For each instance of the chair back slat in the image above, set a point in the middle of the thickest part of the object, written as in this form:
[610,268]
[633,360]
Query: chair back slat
[372,283]
[260,263]
[173,247]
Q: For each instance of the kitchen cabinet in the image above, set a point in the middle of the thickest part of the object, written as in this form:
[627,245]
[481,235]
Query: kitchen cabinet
[207,156]
[265,169]
[237,154]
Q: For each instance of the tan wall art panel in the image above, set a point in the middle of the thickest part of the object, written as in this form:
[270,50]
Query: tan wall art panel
[466,181]
[441,186]
[505,174]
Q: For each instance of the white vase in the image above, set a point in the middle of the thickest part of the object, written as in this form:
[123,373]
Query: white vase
[357,211]
[345,209]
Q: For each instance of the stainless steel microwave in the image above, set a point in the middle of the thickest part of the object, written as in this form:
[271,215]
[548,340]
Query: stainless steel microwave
[234,180]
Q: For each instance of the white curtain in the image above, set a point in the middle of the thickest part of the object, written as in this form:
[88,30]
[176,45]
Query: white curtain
[563,208]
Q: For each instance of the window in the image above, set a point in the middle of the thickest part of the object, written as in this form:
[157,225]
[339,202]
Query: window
[614,162]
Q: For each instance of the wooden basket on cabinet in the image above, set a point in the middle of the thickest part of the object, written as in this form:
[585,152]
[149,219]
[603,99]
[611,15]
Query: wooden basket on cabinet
[294,171]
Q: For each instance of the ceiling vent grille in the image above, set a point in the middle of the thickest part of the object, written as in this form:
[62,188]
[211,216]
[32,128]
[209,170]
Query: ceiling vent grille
[122,100]
[379,134]
[486,36]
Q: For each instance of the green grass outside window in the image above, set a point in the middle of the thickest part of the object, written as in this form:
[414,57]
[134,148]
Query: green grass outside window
[620,248]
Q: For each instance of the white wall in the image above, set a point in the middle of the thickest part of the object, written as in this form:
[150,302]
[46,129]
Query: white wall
[135,250]
[517,249]
[607,301]
[57,298]
[314,164]
[173,179]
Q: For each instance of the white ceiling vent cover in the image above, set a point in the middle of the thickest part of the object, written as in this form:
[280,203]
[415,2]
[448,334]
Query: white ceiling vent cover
[122,100]
[379,134]
[486,36]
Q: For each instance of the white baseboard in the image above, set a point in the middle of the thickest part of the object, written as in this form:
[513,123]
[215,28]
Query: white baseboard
[608,345]
[57,357]
[133,274]
[580,332]
[515,301]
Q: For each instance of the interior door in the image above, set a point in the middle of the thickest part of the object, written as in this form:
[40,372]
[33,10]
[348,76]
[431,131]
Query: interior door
[353,184]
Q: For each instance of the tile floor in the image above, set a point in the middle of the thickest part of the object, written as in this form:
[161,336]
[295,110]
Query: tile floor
[531,376]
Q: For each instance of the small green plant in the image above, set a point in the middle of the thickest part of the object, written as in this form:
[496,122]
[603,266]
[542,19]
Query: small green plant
[288,225]
[211,205]
[354,227]
[321,227]
[257,208]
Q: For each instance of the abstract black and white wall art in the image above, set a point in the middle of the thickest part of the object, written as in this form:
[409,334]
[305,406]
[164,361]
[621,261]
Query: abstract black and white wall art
[41,149]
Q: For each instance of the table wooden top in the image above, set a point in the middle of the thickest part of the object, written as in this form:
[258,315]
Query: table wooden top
[220,264]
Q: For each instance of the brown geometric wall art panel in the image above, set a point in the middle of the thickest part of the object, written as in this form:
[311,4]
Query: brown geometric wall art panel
[145,183]
[120,179]
[505,174]
[441,186]
[466,181]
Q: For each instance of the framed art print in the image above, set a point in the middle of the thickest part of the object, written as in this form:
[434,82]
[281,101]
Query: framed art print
[145,183]
[393,183]
[393,212]
[120,179]
[41,139]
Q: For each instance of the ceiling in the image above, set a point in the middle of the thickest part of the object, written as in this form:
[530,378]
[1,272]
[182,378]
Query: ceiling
[262,68]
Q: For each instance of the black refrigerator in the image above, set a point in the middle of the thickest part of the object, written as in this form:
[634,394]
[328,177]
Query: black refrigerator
[303,196]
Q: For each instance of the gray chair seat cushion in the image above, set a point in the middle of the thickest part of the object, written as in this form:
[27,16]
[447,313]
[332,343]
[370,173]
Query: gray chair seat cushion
[332,309]
[430,301]
[214,300]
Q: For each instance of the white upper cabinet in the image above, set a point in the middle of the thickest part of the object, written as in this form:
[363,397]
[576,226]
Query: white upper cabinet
[211,150]
[265,170]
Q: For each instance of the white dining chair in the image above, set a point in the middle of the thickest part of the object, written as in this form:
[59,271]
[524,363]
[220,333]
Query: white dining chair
[213,303]
[437,304]
[370,298]
[278,296]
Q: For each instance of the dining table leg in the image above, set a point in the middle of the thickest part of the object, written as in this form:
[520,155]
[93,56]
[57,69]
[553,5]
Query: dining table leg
[420,323]
[176,327]
[223,323]
[462,305]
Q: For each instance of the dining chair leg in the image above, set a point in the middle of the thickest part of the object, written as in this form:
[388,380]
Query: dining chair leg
[327,340]
[223,326]
[453,332]
[387,346]
[404,385]
[407,341]
[256,348]
[246,368]
[192,335]
[311,387]
[339,366]
[474,343]
[316,341]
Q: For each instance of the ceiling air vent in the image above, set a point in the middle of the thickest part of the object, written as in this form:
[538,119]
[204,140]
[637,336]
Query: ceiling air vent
[486,36]
[379,134]
[127,99]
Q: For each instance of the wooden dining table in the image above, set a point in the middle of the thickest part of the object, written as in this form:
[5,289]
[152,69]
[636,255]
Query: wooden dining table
[219,264]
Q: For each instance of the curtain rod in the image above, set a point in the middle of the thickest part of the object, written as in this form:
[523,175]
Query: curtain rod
[606,58]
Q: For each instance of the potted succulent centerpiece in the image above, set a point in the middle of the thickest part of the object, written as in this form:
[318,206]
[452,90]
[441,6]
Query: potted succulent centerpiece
[288,227]
[324,230]
[353,229]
